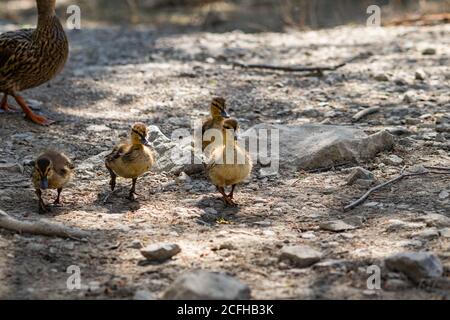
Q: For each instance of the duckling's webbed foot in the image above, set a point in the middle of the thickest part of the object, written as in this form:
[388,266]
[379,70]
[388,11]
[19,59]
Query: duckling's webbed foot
[132,194]
[58,200]
[225,197]
[42,207]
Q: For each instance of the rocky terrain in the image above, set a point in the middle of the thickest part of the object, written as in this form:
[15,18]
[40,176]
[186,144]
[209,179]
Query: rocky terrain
[289,238]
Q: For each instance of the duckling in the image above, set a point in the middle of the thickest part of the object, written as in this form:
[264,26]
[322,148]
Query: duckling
[224,171]
[131,159]
[52,170]
[215,121]
[32,57]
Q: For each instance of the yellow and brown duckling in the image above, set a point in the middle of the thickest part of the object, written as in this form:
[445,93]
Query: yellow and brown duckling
[229,164]
[52,170]
[131,159]
[218,114]
[32,57]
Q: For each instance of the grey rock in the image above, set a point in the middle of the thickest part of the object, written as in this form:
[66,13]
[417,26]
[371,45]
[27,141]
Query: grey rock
[321,145]
[393,160]
[359,173]
[445,232]
[336,226]
[144,295]
[396,285]
[301,256]
[435,220]
[136,244]
[206,285]
[416,265]
[169,153]
[444,194]
[160,251]
[98,128]
[427,234]
[395,225]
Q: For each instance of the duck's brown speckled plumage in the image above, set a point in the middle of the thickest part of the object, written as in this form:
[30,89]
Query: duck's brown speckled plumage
[32,57]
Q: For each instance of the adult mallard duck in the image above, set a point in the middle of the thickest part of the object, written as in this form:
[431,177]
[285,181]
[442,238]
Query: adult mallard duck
[228,164]
[32,57]
[215,121]
[52,170]
[131,159]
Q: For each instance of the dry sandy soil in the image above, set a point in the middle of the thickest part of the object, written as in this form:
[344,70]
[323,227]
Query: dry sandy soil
[117,76]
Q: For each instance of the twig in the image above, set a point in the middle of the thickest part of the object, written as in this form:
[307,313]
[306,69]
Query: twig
[398,178]
[436,168]
[365,112]
[316,70]
[40,228]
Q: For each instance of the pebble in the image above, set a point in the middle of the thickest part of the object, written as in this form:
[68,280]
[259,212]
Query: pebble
[301,256]
[395,285]
[393,160]
[359,173]
[443,194]
[427,234]
[336,226]
[206,285]
[144,295]
[429,51]
[136,244]
[381,77]
[420,75]
[445,232]
[160,251]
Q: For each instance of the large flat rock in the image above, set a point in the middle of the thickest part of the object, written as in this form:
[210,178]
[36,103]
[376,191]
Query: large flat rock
[316,146]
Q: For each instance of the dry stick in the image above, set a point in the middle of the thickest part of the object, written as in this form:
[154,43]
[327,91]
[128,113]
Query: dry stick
[40,227]
[370,191]
[365,112]
[318,70]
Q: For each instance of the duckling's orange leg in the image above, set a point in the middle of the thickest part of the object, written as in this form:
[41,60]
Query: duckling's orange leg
[112,182]
[5,106]
[226,199]
[232,192]
[30,114]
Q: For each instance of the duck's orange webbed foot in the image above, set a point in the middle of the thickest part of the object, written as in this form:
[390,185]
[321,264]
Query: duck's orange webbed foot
[30,114]
[5,106]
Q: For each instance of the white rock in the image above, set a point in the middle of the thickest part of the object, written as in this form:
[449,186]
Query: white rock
[443,194]
[144,295]
[206,285]
[98,128]
[393,160]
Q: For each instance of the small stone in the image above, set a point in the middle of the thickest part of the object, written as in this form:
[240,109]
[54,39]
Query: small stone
[443,194]
[160,251]
[445,232]
[363,183]
[395,225]
[183,177]
[381,77]
[395,285]
[98,128]
[393,160]
[136,244]
[301,256]
[144,295]
[206,285]
[427,234]
[420,75]
[416,265]
[308,235]
[359,173]
[429,52]
[435,220]
[336,226]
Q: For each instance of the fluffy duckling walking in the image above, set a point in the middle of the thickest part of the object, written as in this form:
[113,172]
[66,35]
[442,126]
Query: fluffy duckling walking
[52,170]
[217,117]
[31,57]
[131,159]
[229,164]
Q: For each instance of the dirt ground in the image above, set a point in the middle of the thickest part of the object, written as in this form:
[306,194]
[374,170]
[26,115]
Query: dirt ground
[116,76]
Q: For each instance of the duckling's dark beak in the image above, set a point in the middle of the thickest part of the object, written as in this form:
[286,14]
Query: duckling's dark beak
[224,114]
[44,183]
[145,142]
